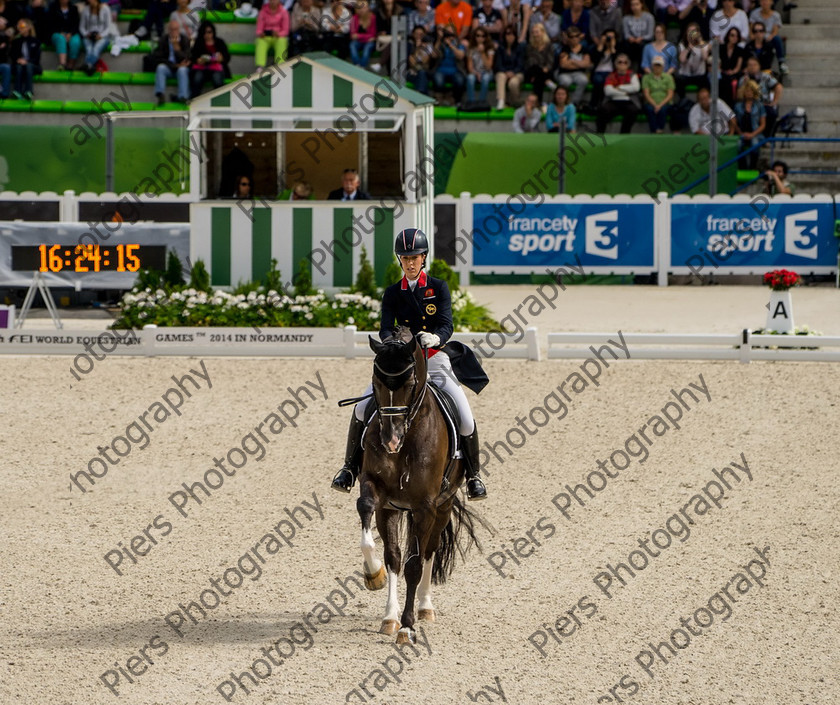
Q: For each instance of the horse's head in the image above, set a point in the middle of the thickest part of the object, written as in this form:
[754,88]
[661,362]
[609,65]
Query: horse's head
[399,377]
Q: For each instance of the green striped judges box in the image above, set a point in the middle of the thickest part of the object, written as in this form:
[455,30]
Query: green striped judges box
[309,118]
[238,246]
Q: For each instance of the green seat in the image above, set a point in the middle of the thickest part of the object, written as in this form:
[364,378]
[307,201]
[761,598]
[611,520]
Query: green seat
[143,107]
[10,105]
[53,77]
[79,106]
[745,175]
[141,48]
[116,77]
[143,78]
[241,49]
[82,77]
[47,106]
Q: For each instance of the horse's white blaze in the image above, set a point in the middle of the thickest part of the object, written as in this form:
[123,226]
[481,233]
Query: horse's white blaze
[424,589]
[372,563]
[392,607]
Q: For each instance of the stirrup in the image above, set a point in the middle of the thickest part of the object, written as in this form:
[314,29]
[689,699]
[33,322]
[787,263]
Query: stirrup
[476,490]
[344,480]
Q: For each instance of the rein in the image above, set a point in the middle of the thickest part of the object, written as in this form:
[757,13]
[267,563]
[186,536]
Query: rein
[411,410]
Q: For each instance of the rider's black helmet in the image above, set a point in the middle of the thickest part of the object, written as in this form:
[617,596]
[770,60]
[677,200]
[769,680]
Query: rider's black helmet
[411,241]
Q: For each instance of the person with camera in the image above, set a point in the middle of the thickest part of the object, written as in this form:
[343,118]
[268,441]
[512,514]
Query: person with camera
[777,181]
[97,30]
[603,60]
[605,16]
[305,26]
[451,55]
[700,13]
[693,55]
[210,57]
[272,33]
[420,53]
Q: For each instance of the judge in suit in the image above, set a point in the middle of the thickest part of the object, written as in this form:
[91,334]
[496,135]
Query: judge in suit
[423,304]
[349,190]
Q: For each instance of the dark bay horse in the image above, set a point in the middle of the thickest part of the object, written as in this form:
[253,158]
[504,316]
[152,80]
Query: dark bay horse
[402,474]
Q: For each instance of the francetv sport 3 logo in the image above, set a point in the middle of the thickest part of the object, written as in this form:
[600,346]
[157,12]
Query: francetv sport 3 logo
[615,235]
[787,234]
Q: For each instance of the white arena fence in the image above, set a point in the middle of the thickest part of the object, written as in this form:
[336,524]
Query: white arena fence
[351,343]
[743,346]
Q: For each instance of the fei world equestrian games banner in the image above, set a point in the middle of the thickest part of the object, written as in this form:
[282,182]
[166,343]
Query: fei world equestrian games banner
[754,235]
[608,237]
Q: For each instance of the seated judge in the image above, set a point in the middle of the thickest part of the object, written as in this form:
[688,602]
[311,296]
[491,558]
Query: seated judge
[349,190]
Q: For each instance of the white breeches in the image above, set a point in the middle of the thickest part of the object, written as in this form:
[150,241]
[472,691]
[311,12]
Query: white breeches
[440,370]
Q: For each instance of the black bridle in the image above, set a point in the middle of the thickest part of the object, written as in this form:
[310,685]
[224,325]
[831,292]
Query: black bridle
[410,410]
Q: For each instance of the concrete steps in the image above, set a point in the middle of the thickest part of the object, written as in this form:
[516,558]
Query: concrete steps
[797,32]
[813,15]
[811,97]
[134,62]
[231,32]
[812,80]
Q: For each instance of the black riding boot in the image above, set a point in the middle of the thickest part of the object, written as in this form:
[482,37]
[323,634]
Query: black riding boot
[346,477]
[475,487]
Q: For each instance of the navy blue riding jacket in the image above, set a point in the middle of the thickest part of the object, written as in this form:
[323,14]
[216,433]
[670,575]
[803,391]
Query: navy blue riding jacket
[427,308]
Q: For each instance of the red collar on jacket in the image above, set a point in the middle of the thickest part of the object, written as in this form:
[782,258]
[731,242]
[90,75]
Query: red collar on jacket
[421,281]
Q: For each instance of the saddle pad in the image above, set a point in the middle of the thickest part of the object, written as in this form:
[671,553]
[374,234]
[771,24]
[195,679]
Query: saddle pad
[453,419]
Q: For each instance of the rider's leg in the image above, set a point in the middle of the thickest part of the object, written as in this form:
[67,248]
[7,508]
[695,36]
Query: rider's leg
[440,370]
[346,477]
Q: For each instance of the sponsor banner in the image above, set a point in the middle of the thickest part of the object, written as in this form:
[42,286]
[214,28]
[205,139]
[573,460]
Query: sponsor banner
[754,236]
[261,342]
[49,341]
[603,237]
[258,342]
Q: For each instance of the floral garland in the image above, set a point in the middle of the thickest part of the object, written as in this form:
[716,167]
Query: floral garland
[781,279]
[191,307]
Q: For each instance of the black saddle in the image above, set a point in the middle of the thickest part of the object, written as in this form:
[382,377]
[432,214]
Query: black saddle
[453,419]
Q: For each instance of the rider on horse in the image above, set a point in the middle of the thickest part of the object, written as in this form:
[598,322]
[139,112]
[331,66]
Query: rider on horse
[422,303]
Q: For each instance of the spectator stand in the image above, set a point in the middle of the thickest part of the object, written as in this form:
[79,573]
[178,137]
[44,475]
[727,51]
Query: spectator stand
[308,119]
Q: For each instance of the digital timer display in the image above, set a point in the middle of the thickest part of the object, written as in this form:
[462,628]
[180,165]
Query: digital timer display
[88,258]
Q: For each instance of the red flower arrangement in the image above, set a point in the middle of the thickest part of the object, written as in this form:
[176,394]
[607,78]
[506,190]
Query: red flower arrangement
[781,279]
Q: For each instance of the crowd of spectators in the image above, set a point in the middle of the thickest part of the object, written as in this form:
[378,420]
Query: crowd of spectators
[456,49]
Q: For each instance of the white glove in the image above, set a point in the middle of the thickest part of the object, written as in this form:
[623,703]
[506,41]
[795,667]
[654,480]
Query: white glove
[429,340]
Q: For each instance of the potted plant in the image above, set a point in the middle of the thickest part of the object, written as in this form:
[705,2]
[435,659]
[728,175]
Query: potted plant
[780,308]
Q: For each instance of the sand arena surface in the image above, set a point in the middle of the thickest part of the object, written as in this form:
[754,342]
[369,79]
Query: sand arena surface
[68,617]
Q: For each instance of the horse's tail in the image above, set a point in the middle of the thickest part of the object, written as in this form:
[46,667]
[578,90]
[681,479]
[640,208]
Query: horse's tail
[458,536]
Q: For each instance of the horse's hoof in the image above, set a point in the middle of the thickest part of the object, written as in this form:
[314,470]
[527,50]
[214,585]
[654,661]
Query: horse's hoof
[376,582]
[426,615]
[389,626]
[406,636]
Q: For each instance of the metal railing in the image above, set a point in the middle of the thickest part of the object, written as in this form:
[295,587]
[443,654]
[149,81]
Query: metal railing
[772,142]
